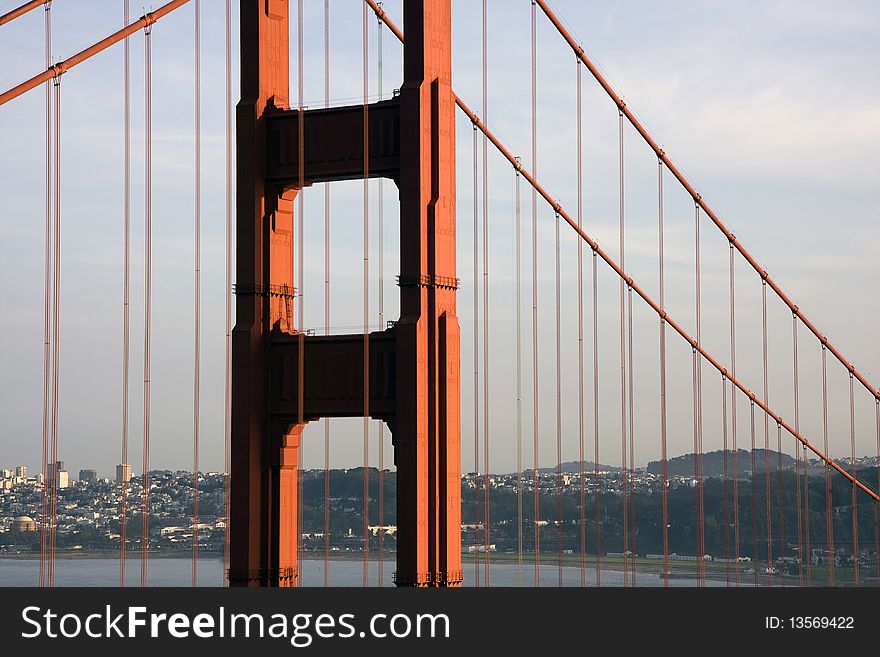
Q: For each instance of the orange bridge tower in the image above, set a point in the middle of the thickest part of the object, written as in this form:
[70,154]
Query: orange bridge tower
[406,375]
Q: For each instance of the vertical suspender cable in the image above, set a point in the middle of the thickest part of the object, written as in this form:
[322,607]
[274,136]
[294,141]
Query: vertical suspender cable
[733,448]
[877,506]
[754,478]
[148,291]
[780,527]
[298,290]
[664,467]
[624,483]
[535,492]
[768,519]
[47,293]
[597,485]
[829,509]
[698,402]
[197,296]
[632,490]
[366,275]
[477,506]
[485,194]
[519,468]
[381,299]
[854,511]
[126,303]
[802,457]
[559,482]
[56,328]
[327,300]
[580,215]
[725,475]
[797,453]
[228,293]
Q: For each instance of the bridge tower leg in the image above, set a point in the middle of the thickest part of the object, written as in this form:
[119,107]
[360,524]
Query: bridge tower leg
[427,437]
[263,521]
[412,368]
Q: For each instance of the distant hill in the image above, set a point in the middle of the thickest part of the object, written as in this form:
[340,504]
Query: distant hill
[574,466]
[713,463]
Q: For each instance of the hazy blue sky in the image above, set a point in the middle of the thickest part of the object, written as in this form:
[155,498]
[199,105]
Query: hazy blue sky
[772,107]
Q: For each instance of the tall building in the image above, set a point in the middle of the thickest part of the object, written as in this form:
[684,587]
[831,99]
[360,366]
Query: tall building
[52,469]
[123,473]
[88,475]
[21,472]
[57,473]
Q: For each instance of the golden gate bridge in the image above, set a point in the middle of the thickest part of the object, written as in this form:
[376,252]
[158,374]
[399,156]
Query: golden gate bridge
[405,376]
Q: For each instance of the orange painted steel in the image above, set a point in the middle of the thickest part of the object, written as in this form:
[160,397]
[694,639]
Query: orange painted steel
[22,10]
[594,245]
[411,373]
[263,489]
[675,171]
[62,67]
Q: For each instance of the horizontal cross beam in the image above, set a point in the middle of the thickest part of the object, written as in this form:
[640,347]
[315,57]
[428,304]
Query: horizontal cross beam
[333,148]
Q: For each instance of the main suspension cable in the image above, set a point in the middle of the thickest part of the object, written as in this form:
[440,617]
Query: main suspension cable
[22,10]
[752,396]
[67,64]
[691,190]
[537,187]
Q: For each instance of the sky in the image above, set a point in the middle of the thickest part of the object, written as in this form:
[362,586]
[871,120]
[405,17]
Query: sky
[771,108]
